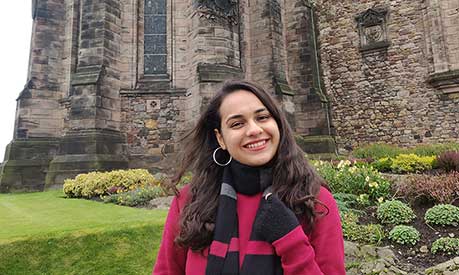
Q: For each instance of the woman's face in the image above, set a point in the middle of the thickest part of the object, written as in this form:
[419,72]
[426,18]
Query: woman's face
[248,131]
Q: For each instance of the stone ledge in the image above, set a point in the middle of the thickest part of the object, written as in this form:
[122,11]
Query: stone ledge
[447,82]
[378,46]
[282,88]
[316,144]
[146,92]
[217,72]
[88,75]
[153,83]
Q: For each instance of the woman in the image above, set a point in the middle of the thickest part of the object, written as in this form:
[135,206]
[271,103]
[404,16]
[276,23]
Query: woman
[254,205]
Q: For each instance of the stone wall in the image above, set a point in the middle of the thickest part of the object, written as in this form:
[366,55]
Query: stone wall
[89,100]
[311,114]
[384,95]
[38,112]
[152,123]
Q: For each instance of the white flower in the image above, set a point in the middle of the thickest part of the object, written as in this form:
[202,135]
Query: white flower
[340,164]
[343,163]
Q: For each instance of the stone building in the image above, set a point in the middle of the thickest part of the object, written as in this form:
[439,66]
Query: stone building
[116,83]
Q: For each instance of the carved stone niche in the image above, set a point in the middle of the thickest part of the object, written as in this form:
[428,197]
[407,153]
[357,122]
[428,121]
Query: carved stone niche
[214,9]
[372,25]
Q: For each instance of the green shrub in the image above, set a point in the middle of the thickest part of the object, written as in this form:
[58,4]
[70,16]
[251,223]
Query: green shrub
[96,184]
[448,161]
[369,233]
[395,212]
[443,188]
[434,149]
[403,234]
[382,150]
[377,151]
[86,185]
[346,202]
[139,196]
[382,164]
[446,245]
[411,163]
[443,214]
[362,181]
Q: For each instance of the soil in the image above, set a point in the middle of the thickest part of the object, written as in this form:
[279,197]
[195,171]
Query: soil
[419,255]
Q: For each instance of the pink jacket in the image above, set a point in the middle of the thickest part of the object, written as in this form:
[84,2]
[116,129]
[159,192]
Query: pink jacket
[321,252]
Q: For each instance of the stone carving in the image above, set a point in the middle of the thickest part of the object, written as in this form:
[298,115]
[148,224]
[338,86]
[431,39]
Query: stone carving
[372,25]
[214,9]
[373,33]
[153,105]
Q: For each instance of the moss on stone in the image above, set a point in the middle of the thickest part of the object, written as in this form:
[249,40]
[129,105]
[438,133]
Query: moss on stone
[316,144]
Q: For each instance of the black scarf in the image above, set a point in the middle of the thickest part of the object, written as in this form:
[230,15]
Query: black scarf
[223,255]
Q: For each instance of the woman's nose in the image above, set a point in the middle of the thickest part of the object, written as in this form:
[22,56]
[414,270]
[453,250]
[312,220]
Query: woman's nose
[254,129]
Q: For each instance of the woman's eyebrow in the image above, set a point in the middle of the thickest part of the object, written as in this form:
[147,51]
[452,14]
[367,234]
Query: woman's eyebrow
[241,116]
[260,110]
[233,117]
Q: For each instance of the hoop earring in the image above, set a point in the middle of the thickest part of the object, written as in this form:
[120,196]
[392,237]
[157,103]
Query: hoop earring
[215,159]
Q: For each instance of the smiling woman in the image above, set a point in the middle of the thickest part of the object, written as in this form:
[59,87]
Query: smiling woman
[263,210]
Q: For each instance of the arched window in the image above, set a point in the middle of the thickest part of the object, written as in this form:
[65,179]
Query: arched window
[155,47]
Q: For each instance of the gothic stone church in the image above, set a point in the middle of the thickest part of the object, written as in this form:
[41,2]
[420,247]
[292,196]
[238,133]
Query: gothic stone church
[116,83]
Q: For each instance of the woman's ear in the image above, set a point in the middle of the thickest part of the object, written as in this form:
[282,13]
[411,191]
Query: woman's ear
[220,140]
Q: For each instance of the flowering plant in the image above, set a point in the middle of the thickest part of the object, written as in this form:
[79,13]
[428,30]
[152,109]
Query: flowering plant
[362,180]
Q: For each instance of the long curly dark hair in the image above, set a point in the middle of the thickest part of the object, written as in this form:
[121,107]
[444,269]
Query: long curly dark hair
[294,180]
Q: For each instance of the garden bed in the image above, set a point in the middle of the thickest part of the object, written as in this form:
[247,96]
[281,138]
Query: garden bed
[419,255]
[411,182]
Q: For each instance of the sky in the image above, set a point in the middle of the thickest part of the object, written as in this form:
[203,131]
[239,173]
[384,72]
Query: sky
[15,33]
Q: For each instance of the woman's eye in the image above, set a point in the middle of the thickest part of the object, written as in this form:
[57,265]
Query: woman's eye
[264,117]
[236,124]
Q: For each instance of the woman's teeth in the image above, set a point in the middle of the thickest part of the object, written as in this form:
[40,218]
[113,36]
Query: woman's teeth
[255,145]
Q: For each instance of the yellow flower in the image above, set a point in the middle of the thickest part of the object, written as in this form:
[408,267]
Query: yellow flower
[373,184]
[380,200]
[367,179]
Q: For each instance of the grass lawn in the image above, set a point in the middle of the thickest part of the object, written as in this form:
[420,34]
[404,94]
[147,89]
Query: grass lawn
[44,233]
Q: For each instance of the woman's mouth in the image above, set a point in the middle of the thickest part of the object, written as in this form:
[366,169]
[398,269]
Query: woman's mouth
[256,145]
